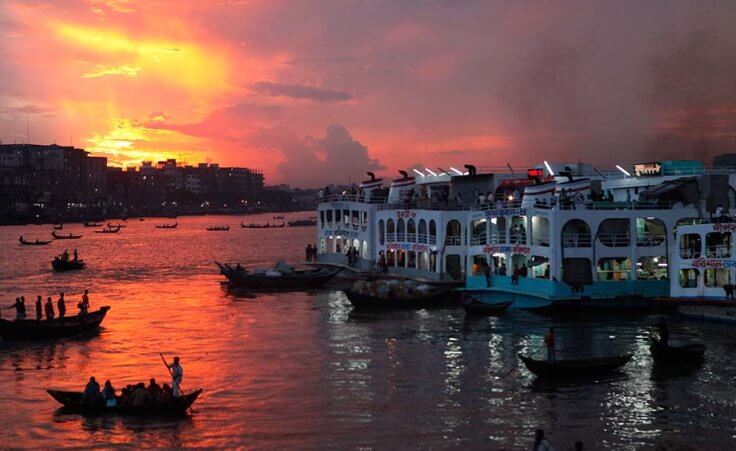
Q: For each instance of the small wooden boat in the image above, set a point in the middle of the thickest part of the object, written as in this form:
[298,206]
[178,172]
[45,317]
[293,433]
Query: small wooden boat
[33,243]
[109,230]
[295,280]
[31,329]
[473,306]
[72,401]
[59,264]
[58,227]
[666,354]
[440,297]
[575,367]
[224,228]
[262,226]
[278,217]
[113,226]
[141,219]
[91,224]
[168,226]
[303,223]
[65,237]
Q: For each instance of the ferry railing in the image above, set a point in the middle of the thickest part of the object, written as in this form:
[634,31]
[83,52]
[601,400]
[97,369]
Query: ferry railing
[650,239]
[401,237]
[411,237]
[614,239]
[517,238]
[718,251]
[497,239]
[453,240]
[576,239]
[422,239]
[478,240]
[432,239]
[540,240]
[390,237]
[688,253]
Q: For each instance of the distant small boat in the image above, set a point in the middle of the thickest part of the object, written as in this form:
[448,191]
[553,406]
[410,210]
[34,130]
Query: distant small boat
[91,224]
[59,264]
[113,226]
[262,226]
[65,237]
[266,279]
[303,223]
[168,226]
[141,219]
[224,228]
[666,354]
[69,326]
[473,306]
[177,405]
[278,217]
[109,230]
[575,367]
[58,227]
[33,243]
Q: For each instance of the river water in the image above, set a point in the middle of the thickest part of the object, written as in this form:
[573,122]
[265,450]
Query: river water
[302,370]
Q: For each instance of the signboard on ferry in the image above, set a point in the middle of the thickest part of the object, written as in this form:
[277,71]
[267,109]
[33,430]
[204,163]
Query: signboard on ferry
[341,233]
[648,169]
[407,247]
[498,212]
[713,263]
[724,227]
[524,250]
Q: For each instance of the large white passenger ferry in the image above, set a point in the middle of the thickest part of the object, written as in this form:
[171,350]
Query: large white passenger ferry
[560,235]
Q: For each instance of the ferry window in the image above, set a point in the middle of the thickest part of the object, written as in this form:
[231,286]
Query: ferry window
[576,233]
[576,271]
[614,233]
[716,277]
[651,268]
[364,218]
[411,231]
[338,217]
[688,277]
[322,218]
[650,232]
[329,217]
[346,217]
[498,231]
[423,260]
[540,231]
[499,264]
[519,261]
[453,266]
[356,217]
[422,234]
[432,232]
[366,255]
[381,233]
[539,267]
[411,259]
[400,230]
[390,231]
[400,258]
[391,258]
[718,245]
[480,264]
[614,269]
[322,246]
[452,236]
[479,235]
[517,230]
[690,245]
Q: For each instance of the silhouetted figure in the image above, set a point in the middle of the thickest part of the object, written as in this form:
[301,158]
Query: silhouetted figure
[540,442]
[153,389]
[91,393]
[664,333]
[49,307]
[549,341]
[62,306]
[76,257]
[39,308]
[108,395]
[177,373]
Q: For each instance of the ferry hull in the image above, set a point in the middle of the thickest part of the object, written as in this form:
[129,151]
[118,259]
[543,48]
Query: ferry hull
[724,313]
[518,300]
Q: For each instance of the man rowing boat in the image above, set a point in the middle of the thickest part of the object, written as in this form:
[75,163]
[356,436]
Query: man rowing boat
[177,373]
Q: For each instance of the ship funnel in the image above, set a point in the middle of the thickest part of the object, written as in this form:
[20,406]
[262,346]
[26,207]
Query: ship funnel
[471,169]
[404,174]
[371,175]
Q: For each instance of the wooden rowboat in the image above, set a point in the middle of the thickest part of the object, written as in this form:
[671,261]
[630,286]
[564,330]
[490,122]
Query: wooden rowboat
[72,401]
[440,297]
[224,228]
[33,243]
[109,230]
[473,306]
[168,226]
[31,329]
[666,354]
[65,237]
[296,280]
[575,367]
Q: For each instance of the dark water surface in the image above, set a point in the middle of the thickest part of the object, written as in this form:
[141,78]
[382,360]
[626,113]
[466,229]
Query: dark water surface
[301,370]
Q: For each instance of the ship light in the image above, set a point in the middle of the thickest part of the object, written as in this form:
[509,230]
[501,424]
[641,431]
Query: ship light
[419,172]
[511,197]
[456,171]
[656,259]
[430,172]
[549,168]
[625,172]
[662,265]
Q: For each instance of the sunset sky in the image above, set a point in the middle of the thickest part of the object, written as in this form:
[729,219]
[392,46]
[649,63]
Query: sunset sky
[317,91]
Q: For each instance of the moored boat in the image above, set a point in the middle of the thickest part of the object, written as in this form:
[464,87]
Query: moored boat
[303,223]
[667,354]
[436,298]
[175,406]
[115,226]
[65,237]
[278,278]
[575,367]
[262,226]
[33,243]
[30,329]
[473,306]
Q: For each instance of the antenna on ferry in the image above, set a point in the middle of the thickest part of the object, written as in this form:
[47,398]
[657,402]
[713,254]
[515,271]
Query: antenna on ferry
[511,169]
[599,172]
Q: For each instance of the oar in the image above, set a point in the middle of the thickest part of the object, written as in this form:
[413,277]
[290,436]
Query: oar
[173,380]
[516,365]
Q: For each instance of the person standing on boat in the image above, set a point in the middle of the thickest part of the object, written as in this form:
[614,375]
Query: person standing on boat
[49,307]
[18,308]
[541,443]
[85,300]
[62,306]
[177,373]
[23,306]
[549,341]
[39,308]
[308,252]
[76,257]
[108,395]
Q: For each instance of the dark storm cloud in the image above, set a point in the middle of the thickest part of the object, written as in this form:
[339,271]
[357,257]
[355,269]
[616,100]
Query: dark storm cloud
[300,92]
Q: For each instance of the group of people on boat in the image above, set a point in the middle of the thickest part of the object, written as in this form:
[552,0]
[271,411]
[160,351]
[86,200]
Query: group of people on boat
[48,307]
[310,253]
[352,255]
[64,256]
[138,395]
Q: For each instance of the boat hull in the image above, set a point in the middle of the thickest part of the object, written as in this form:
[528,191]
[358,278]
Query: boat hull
[477,308]
[72,401]
[575,368]
[29,329]
[718,312]
[297,281]
[442,298]
[663,354]
[527,301]
[60,265]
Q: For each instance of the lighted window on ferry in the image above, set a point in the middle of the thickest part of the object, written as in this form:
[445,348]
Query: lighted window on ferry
[614,269]
[322,246]
[364,218]
[539,267]
[688,278]
[651,268]
[540,231]
[718,245]
[356,217]
[480,265]
[423,260]
[433,261]
[690,246]
[381,233]
[498,261]
[716,277]
[346,217]
[650,232]
[517,230]
[365,252]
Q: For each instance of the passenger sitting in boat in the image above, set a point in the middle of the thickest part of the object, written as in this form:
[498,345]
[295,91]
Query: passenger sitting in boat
[549,341]
[139,397]
[91,393]
[108,395]
[664,333]
[125,395]
[49,307]
[165,394]
[39,308]
[65,255]
[153,389]
[238,267]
